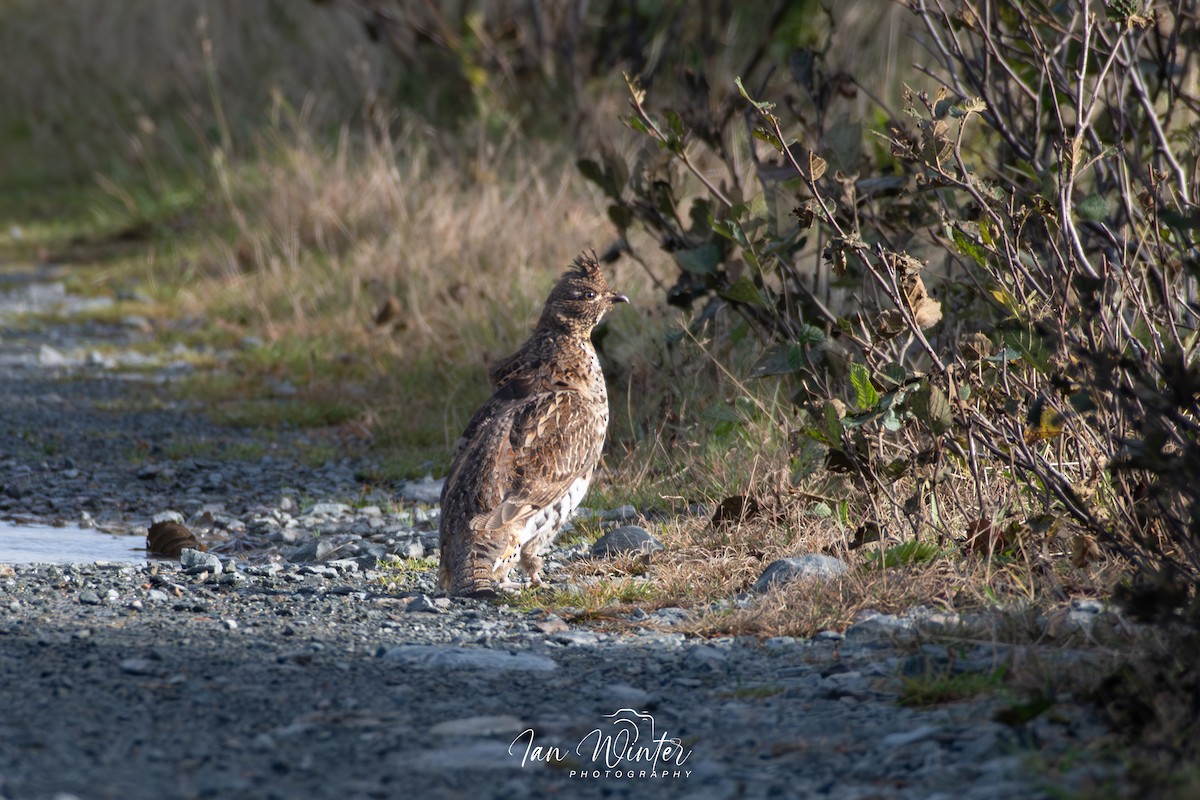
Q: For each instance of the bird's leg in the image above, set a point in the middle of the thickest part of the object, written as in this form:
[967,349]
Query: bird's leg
[531,564]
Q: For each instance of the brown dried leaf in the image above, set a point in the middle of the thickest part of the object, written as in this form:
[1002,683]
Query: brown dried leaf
[982,537]
[889,324]
[926,311]
[977,346]
[169,538]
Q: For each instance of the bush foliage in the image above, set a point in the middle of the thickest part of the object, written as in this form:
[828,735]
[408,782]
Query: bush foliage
[982,300]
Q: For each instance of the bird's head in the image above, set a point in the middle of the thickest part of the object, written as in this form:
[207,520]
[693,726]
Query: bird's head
[580,299]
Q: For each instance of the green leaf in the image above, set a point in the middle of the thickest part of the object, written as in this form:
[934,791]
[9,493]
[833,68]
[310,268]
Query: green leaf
[930,406]
[638,125]
[782,359]
[810,335]
[1031,347]
[701,260]
[620,216]
[832,423]
[895,373]
[904,554]
[591,170]
[1093,207]
[763,107]
[828,429]
[611,178]
[865,395]
[723,418]
[940,416]
[968,247]
[743,290]
[730,229]
[675,124]
[768,137]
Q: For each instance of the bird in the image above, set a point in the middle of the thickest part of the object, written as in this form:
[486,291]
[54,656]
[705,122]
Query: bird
[529,453]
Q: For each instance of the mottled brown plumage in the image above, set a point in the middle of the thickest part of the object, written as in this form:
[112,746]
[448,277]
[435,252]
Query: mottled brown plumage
[528,454]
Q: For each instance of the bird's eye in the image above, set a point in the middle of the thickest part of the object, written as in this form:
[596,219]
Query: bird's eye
[590,295]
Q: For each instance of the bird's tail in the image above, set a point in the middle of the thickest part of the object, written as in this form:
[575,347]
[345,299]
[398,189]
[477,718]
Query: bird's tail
[475,570]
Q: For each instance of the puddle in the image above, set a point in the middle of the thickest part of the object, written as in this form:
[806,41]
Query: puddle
[42,544]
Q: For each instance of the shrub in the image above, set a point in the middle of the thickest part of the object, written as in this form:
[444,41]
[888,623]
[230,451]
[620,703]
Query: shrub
[984,307]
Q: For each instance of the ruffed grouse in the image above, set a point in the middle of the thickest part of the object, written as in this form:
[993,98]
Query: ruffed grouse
[528,454]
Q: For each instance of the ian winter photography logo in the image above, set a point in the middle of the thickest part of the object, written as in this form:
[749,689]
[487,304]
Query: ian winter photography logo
[627,745]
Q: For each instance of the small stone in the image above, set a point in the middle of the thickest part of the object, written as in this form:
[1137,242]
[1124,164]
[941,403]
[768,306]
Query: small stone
[428,656]
[627,539]
[49,357]
[580,638]
[497,725]
[313,550]
[426,490]
[903,738]
[552,624]
[422,604]
[622,695]
[329,510]
[669,615]
[231,624]
[806,567]
[89,598]
[780,642]
[195,562]
[623,513]
[137,666]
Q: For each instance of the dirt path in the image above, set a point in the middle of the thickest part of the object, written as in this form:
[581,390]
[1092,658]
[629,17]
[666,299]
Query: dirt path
[335,678]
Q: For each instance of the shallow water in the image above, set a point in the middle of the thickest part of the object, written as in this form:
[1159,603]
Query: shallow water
[41,544]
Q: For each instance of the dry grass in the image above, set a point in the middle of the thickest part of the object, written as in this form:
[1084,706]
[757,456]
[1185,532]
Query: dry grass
[704,567]
[285,244]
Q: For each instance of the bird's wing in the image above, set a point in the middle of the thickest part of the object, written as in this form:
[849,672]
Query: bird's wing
[544,443]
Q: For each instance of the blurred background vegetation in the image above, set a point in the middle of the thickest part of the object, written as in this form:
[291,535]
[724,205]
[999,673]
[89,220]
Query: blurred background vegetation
[914,282]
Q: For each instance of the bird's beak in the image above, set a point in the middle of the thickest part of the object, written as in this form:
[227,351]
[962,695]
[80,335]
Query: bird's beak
[620,298]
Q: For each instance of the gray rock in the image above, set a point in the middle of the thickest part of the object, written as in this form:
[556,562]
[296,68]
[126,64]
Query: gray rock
[426,490]
[810,566]
[878,626]
[669,616]
[497,725]
[329,510]
[313,550]
[622,695]
[903,738]
[89,598]
[427,656]
[422,603]
[627,539]
[50,357]
[194,562]
[138,666]
[624,513]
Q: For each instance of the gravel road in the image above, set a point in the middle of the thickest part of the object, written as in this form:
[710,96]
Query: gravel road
[292,664]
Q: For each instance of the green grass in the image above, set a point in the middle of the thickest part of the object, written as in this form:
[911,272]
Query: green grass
[597,599]
[947,686]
